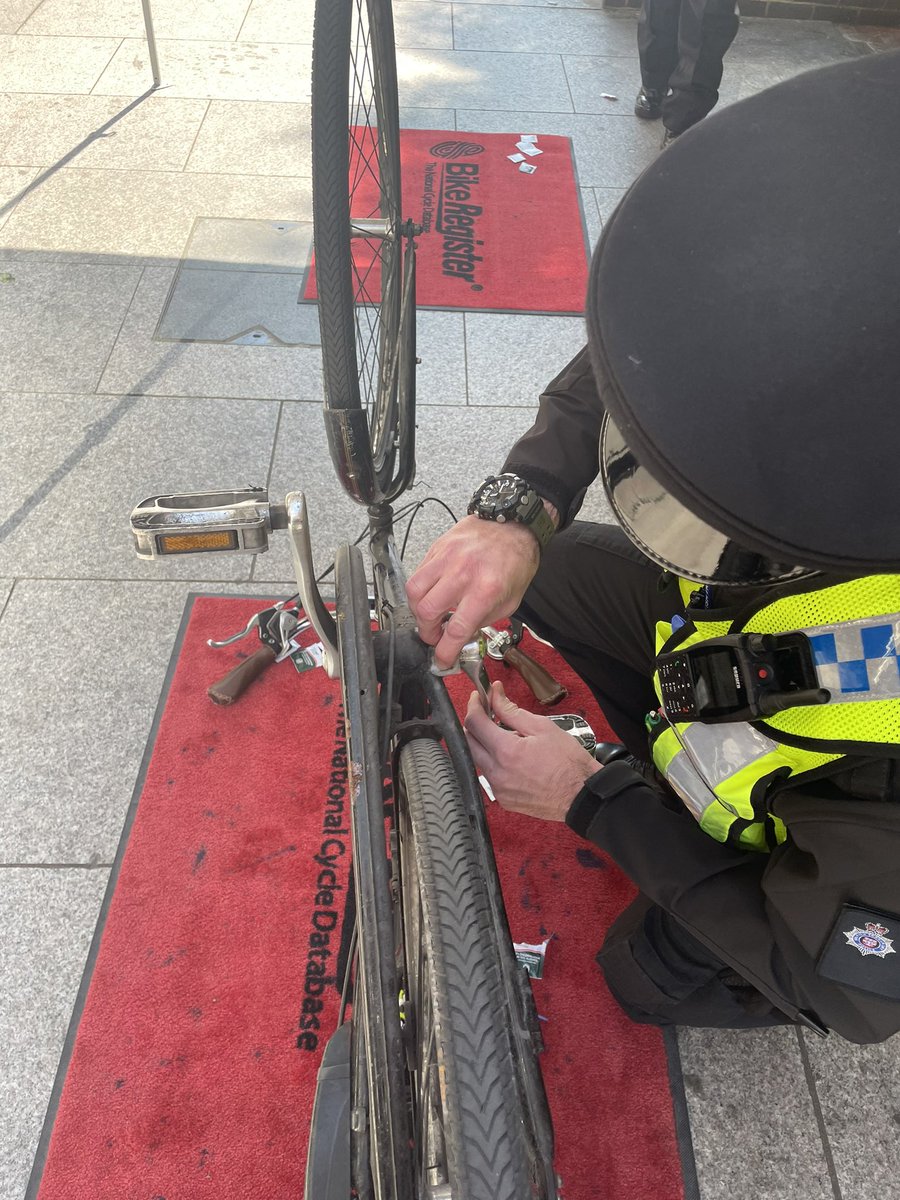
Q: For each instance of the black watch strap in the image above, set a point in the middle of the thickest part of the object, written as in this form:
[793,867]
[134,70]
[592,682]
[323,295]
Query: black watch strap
[529,511]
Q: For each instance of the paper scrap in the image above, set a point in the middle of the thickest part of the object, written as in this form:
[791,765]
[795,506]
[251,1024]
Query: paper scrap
[516,157]
[528,148]
[487,789]
[528,137]
[607,96]
[527,168]
[531,957]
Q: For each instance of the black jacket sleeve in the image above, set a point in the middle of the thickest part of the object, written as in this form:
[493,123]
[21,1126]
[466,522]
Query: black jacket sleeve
[767,916]
[559,454]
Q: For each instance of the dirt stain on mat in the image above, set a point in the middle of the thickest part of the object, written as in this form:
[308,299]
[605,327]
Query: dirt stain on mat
[198,860]
[587,858]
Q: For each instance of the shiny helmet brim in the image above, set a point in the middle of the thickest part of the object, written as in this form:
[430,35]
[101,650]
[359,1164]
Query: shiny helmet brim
[670,534]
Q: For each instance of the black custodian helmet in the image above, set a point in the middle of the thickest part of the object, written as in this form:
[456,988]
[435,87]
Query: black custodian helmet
[744,328]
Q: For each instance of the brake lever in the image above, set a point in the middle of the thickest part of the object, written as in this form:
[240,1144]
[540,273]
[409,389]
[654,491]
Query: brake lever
[502,645]
[275,627]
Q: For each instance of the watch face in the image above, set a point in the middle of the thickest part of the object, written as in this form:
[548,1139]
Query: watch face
[502,494]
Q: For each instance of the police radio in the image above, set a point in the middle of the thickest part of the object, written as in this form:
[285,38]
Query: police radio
[739,677]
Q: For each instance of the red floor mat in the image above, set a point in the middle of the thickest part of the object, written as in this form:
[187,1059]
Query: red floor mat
[191,1062]
[495,236]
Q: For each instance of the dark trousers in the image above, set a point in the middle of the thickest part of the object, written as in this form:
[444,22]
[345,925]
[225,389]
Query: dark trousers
[682,44]
[597,599]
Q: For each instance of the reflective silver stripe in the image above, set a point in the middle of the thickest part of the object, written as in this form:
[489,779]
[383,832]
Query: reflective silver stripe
[682,777]
[720,751]
[709,755]
[858,660]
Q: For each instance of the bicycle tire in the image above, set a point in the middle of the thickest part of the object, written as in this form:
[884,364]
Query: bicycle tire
[356,173]
[482,1124]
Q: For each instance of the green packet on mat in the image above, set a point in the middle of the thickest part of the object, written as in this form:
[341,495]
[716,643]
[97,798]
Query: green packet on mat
[308,657]
[531,957]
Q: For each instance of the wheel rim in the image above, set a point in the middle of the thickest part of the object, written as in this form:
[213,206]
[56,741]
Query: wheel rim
[376,261]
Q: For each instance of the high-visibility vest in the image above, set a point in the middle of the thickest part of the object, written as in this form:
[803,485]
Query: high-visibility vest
[727,774]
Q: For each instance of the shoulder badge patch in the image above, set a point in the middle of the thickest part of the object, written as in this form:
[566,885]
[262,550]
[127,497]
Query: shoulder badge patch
[860,953]
[871,939]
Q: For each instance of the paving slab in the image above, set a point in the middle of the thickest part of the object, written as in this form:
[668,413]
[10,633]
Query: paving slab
[253,138]
[154,134]
[96,211]
[124,18]
[58,323]
[607,199]
[610,152]
[53,64]
[14,181]
[859,1091]
[416,24]
[441,346]
[142,365]
[13,13]
[753,1121]
[592,78]
[797,45]
[73,467]
[428,118]
[597,5]
[513,356]
[487,80]
[559,31]
[213,70]
[592,219]
[48,919]
[456,448]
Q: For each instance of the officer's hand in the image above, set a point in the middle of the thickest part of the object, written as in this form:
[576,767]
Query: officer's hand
[533,767]
[478,573]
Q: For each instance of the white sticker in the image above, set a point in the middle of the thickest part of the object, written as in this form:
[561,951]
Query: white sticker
[488,791]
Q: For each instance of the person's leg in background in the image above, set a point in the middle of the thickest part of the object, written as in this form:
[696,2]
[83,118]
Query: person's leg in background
[658,50]
[705,31]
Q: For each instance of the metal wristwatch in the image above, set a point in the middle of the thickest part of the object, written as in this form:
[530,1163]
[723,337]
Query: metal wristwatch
[508,498]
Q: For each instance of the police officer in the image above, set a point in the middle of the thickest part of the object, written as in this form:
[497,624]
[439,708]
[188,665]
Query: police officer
[740,626]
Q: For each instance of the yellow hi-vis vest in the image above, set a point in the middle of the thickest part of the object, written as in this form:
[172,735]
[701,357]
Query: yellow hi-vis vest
[728,773]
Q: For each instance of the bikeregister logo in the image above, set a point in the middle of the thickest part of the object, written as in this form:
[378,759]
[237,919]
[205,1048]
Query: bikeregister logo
[451,208]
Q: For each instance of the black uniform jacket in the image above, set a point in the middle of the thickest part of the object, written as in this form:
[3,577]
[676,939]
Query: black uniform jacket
[786,921]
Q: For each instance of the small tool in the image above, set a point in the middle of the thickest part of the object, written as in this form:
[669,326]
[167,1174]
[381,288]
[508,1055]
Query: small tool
[502,645]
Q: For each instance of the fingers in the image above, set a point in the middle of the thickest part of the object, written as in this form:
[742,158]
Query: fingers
[518,719]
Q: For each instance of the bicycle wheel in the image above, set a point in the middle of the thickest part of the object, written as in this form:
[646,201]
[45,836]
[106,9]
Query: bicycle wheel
[356,215]
[468,1126]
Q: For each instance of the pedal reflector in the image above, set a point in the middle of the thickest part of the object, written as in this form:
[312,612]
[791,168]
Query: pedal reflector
[191,543]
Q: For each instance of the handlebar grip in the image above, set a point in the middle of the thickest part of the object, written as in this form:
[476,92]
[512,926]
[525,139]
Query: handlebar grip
[233,685]
[547,690]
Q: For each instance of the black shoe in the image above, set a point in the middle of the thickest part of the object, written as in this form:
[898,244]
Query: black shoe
[648,104]
[668,138]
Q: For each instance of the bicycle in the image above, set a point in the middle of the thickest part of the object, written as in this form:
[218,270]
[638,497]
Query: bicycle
[431,1089]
